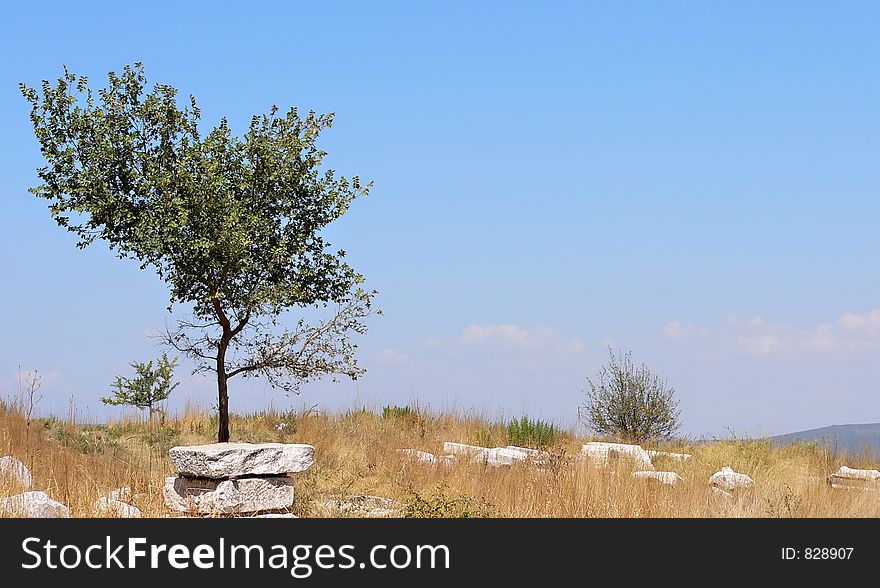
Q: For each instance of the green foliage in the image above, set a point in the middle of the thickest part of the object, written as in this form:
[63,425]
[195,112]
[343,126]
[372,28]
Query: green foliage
[87,439]
[630,402]
[442,506]
[526,432]
[407,416]
[397,412]
[148,388]
[163,438]
[483,438]
[231,224]
[360,413]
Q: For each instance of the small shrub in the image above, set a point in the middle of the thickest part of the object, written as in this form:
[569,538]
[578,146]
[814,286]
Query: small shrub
[162,438]
[630,402]
[397,412]
[148,388]
[442,506]
[526,432]
[408,415]
[358,414]
[89,440]
[483,438]
[286,424]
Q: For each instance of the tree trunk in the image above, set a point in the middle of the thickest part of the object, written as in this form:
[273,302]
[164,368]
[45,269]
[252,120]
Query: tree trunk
[223,404]
[222,391]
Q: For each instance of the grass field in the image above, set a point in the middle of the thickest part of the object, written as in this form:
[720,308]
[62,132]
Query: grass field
[357,454]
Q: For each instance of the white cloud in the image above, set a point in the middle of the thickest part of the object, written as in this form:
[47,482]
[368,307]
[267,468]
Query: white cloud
[22,381]
[760,344]
[511,334]
[822,338]
[868,323]
[756,323]
[45,378]
[434,343]
[392,356]
[517,347]
[679,330]
[516,336]
[758,336]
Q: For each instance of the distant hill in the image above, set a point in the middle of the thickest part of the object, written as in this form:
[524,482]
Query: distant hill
[844,438]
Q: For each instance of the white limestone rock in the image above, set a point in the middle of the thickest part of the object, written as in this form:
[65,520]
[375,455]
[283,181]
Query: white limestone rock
[14,471]
[853,479]
[428,458]
[33,505]
[605,453]
[718,492]
[121,494]
[506,456]
[854,474]
[463,449]
[115,504]
[116,508]
[497,456]
[667,478]
[243,495]
[535,455]
[668,455]
[236,460]
[728,480]
[358,506]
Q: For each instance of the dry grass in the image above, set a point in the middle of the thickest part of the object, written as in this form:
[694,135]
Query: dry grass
[356,454]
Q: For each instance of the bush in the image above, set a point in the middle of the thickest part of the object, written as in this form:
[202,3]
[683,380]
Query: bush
[397,412]
[482,438]
[630,402]
[525,432]
[442,506]
[148,388]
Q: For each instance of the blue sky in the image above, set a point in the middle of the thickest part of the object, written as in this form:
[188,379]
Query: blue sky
[694,181]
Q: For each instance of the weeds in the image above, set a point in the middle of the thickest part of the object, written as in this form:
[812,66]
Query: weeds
[442,506]
[526,432]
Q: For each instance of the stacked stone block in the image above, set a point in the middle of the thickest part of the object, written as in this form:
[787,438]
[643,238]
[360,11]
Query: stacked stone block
[235,478]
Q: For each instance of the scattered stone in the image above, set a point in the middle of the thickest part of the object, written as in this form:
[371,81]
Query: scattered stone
[728,480]
[533,454]
[235,460]
[274,515]
[505,456]
[281,427]
[34,505]
[850,478]
[364,506]
[428,458]
[243,495]
[721,493]
[116,504]
[116,508]
[605,453]
[497,456]
[121,494]
[463,449]
[675,456]
[667,478]
[854,474]
[15,471]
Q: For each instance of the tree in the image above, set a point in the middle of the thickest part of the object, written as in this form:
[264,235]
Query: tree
[148,388]
[630,402]
[231,224]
